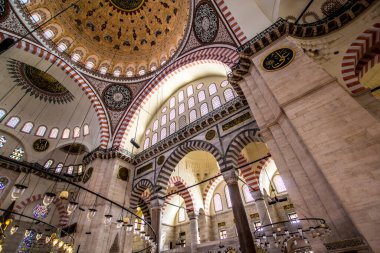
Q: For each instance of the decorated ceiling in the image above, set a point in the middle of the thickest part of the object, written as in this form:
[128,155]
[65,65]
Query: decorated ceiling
[133,37]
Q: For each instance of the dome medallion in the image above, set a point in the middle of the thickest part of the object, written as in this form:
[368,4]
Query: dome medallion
[127,6]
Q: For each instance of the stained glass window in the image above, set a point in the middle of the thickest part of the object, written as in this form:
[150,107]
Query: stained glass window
[204,109]
[2,113]
[17,154]
[76,132]
[193,115]
[80,169]
[172,102]
[191,102]
[41,131]
[26,243]
[59,168]
[40,211]
[54,133]
[3,140]
[199,86]
[49,34]
[164,110]
[66,133]
[48,164]
[13,122]
[228,95]
[172,128]
[228,198]
[224,83]
[294,218]
[216,102]
[181,108]
[86,130]
[76,57]
[212,89]
[3,182]
[154,139]
[163,133]
[62,47]
[36,18]
[190,91]
[201,96]
[146,143]
[181,96]
[172,114]
[70,170]
[218,206]
[27,128]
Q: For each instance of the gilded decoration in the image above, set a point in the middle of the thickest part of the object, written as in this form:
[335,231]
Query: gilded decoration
[205,23]
[278,59]
[38,83]
[144,168]
[117,97]
[161,160]
[236,121]
[129,34]
[210,135]
[40,145]
[4,9]
[87,175]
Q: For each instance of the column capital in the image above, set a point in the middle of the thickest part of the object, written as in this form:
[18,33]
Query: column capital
[257,195]
[230,177]
[156,203]
[193,216]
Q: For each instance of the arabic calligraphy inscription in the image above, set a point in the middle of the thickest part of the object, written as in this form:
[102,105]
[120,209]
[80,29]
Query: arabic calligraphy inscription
[278,59]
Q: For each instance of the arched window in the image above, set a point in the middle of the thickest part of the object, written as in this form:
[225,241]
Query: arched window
[62,47]
[193,115]
[190,91]
[172,114]
[13,122]
[247,194]
[164,110]
[191,102]
[215,102]
[4,181]
[204,109]
[59,167]
[181,215]
[86,130]
[76,132]
[199,86]
[228,198]
[48,164]
[155,125]
[218,205]
[24,1]
[116,72]
[181,96]
[90,65]
[2,113]
[66,133]
[163,120]
[17,154]
[70,170]
[154,139]
[76,57]
[27,128]
[279,184]
[36,18]
[54,133]
[146,143]
[224,83]
[80,169]
[49,34]
[201,96]
[212,89]
[163,133]
[172,128]
[172,102]
[3,140]
[103,70]
[41,130]
[182,121]
[181,108]
[228,94]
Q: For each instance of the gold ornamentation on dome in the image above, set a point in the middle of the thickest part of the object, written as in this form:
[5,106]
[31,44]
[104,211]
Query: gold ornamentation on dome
[128,5]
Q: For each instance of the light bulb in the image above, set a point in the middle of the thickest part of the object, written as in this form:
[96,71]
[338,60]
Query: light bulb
[142,234]
[71,207]
[146,237]
[295,242]
[14,229]
[108,219]
[47,239]
[48,198]
[39,236]
[27,232]
[60,244]
[17,191]
[64,195]
[119,223]
[55,241]
[129,228]
[91,213]
[137,231]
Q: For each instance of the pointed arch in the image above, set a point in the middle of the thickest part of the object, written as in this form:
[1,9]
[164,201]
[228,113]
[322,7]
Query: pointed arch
[185,193]
[174,158]
[138,190]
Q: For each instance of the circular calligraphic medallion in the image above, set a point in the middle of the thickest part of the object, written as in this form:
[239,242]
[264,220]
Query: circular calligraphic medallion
[278,59]
[128,6]
[117,97]
[40,145]
[161,160]
[205,23]
[210,135]
[123,174]
[87,175]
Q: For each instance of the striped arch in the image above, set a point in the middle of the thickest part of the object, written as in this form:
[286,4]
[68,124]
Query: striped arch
[63,217]
[231,21]
[250,176]
[73,74]
[187,196]
[209,192]
[237,144]
[361,56]
[172,161]
[218,55]
[145,210]
[137,192]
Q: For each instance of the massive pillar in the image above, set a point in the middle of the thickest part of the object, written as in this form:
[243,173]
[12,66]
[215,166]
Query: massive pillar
[242,225]
[319,137]
[194,232]
[262,208]
[156,208]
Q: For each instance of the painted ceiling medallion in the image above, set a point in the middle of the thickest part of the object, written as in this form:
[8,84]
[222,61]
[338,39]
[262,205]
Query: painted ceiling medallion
[40,145]
[205,23]
[117,97]
[278,59]
[38,83]
[127,6]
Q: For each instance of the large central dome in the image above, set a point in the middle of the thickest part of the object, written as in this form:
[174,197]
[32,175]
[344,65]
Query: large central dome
[130,37]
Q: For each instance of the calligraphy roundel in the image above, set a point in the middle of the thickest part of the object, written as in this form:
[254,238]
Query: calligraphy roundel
[40,145]
[205,23]
[278,59]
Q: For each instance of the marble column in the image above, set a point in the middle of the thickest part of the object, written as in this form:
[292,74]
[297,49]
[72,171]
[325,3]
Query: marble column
[156,208]
[262,207]
[194,231]
[241,220]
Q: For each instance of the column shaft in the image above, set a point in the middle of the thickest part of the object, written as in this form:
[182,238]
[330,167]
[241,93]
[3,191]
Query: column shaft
[194,233]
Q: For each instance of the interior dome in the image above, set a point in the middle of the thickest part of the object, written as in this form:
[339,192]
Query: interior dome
[122,38]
